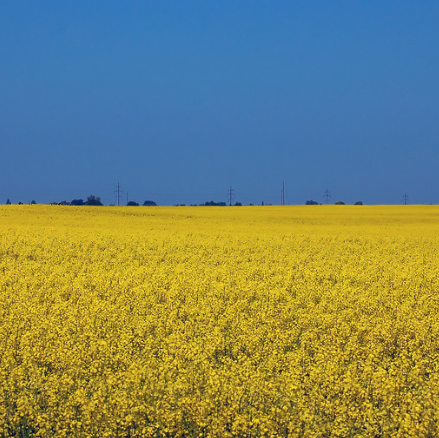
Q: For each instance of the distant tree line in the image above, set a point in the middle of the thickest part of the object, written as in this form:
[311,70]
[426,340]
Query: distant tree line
[96,201]
[211,204]
[311,202]
[8,202]
[91,200]
[214,204]
[145,204]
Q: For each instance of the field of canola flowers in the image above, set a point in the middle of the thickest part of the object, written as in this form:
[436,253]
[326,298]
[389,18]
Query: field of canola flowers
[218,322]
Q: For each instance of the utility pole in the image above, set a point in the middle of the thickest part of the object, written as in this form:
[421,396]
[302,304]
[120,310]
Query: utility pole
[118,193]
[282,194]
[230,195]
[326,196]
[405,199]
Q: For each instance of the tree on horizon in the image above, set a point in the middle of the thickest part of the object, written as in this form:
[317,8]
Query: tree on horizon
[93,200]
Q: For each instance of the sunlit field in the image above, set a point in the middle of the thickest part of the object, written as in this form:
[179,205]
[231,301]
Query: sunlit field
[305,321]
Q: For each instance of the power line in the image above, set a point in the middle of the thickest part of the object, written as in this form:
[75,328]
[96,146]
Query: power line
[118,192]
[282,194]
[327,196]
[230,195]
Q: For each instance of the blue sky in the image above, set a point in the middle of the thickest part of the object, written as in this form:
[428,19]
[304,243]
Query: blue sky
[180,100]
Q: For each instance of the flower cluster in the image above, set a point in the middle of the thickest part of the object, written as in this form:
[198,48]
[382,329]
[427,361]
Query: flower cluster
[206,322]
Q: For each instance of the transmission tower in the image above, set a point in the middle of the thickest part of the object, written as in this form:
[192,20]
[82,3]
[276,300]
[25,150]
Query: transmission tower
[282,194]
[230,194]
[405,199]
[118,192]
[327,196]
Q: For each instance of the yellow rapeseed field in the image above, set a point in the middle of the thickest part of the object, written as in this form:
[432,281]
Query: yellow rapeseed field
[309,321]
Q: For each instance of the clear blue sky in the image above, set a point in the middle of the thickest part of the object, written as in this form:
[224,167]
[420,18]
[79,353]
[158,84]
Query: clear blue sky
[179,100]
